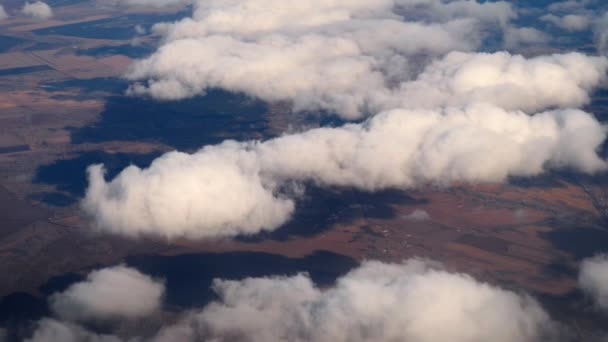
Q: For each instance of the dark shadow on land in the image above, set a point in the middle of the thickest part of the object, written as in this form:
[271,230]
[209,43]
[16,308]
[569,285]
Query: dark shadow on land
[19,311]
[545,180]
[59,3]
[186,124]
[86,87]
[321,208]
[117,28]
[69,175]
[129,50]
[8,42]
[57,199]
[555,178]
[188,277]
[580,242]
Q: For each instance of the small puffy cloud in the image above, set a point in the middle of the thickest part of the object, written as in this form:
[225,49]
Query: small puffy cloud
[593,279]
[376,302]
[50,330]
[515,37]
[3,14]
[600,32]
[110,293]
[233,188]
[37,10]
[418,215]
[570,22]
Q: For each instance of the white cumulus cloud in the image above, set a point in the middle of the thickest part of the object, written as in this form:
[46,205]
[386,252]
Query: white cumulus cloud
[593,279]
[37,10]
[231,188]
[413,301]
[347,57]
[110,293]
[374,302]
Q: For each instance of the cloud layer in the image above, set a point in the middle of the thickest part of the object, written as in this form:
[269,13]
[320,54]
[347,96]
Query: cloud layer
[451,116]
[232,188]
[111,293]
[346,57]
[377,301]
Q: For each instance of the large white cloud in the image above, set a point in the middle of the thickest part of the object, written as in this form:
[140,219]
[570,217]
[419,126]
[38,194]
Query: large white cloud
[508,81]
[593,279]
[37,10]
[600,30]
[350,85]
[343,56]
[111,293]
[414,301]
[231,188]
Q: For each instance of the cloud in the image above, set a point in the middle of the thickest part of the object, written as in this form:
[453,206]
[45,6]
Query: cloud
[570,22]
[454,116]
[509,81]
[593,279]
[150,3]
[218,191]
[356,60]
[600,32]
[50,330]
[515,37]
[346,57]
[234,188]
[37,10]
[110,293]
[3,14]
[418,215]
[580,15]
[376,302]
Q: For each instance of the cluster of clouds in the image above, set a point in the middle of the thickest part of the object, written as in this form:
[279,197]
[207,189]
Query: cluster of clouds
[36,10]
[348,57]
[581,16]
[436,112]
[376,301]
[430,110]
